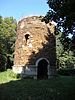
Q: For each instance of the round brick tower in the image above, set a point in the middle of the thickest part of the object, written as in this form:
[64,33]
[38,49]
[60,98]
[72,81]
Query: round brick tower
[35,48]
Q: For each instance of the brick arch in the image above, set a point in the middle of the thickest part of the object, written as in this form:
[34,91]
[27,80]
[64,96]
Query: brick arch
[41,59]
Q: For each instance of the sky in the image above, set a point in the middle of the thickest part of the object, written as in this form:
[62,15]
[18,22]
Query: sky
[23,8]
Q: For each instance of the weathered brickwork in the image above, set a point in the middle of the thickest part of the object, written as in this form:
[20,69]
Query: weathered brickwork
[35,40]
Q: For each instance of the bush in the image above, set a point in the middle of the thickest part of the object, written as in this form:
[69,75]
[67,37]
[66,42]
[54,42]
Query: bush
[2,62]
[8,75]
[66,72]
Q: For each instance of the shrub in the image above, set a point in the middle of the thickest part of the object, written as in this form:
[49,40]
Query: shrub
[66,72]
[2,62]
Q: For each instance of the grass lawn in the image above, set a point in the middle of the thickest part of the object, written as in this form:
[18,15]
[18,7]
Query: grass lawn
[59,88]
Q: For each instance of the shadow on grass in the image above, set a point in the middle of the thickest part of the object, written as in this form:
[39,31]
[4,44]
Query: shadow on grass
[60,88]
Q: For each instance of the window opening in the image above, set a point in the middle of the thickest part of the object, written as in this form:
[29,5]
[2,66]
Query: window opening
[27,37]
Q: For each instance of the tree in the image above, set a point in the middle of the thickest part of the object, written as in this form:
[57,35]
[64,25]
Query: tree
[7,39]
[63,13]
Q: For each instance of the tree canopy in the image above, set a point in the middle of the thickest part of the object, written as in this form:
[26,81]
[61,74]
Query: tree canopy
[7,39]
[63,13]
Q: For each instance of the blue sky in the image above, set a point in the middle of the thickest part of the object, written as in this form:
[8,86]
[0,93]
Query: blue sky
[21,8]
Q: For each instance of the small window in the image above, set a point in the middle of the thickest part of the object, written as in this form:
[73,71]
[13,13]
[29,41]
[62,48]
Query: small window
[50,24]
[27,37]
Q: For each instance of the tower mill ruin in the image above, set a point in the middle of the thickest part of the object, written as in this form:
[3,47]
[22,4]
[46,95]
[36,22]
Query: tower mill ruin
[35,48]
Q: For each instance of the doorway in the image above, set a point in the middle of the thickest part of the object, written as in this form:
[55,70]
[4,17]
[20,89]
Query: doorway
[42,69]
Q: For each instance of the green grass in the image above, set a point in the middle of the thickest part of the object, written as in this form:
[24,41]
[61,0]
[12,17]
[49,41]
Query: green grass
[59,88]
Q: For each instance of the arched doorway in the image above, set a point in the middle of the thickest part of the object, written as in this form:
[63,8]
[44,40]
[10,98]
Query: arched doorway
[42,69]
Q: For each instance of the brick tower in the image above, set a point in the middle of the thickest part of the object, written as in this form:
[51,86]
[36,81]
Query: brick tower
[35,48]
